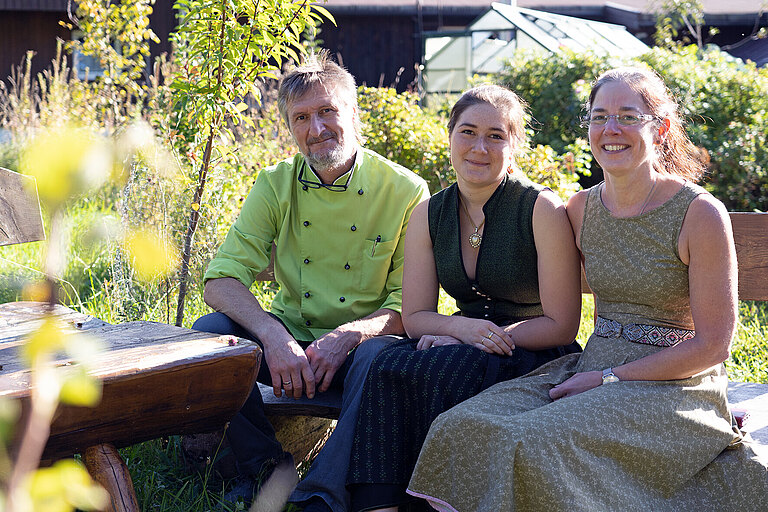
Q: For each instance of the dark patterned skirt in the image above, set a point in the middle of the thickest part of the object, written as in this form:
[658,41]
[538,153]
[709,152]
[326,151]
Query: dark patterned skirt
[405,391]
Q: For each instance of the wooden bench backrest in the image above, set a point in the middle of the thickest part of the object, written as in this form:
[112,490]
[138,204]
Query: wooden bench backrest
[20,217]
[750,233]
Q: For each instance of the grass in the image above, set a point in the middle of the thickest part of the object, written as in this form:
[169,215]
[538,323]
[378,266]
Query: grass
[749,352]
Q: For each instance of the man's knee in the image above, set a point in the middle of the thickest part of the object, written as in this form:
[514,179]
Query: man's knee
[369,349]
[219,323]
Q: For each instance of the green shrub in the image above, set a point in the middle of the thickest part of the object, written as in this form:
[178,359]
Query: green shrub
[396,127]
[555,87]
[725,103]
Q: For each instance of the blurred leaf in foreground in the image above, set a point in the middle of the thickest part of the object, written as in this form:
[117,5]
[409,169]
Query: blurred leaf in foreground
[65,161]
[150,255]
[63,487]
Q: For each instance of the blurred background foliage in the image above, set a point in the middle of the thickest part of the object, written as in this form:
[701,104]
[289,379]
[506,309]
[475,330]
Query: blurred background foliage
[723,100]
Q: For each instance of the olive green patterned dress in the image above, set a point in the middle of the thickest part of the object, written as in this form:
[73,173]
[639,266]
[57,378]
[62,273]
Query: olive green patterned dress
[629,446]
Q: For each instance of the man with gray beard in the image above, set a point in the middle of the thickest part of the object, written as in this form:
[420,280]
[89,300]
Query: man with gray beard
[336,214]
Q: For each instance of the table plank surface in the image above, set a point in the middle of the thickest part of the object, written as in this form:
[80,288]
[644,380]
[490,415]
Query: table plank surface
[158,379]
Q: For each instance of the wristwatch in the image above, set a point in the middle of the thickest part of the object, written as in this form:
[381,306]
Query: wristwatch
[609,376]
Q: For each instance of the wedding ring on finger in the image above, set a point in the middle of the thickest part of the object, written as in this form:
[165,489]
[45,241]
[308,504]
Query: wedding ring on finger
[286,383]
[490,335]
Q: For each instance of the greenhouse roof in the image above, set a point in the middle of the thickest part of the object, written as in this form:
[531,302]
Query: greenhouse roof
[450,58]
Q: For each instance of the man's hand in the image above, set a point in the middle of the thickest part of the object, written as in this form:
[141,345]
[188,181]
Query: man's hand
[327,353]
[289,368]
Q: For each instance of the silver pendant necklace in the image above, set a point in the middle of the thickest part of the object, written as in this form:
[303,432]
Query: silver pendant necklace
[475,239]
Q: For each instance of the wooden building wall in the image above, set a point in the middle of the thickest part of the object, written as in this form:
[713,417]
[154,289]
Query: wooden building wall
[22,30]
[375,47]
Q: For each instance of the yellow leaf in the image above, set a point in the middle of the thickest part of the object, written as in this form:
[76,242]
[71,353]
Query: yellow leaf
[80,389]
[195,206]
[65,162]
[150,254]
[36,292]
[9,413]
[240,107]
[47,339]
[63,487]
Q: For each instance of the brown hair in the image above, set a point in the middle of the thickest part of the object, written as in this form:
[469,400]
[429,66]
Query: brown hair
[501,98]
[317,69]
[676,154]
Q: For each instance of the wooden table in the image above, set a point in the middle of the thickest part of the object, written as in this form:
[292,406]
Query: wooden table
[157,380]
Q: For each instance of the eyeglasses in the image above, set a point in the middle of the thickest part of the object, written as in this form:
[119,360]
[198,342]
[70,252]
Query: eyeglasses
[622,119]
[316,184]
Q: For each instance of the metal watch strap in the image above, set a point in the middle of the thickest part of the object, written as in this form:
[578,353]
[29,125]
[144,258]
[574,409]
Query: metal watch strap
[609,376]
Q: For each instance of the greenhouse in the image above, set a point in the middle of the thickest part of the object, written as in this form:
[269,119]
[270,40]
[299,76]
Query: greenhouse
[452,57]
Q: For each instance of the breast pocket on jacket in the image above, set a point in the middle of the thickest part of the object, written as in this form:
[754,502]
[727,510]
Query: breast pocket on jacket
[377,260]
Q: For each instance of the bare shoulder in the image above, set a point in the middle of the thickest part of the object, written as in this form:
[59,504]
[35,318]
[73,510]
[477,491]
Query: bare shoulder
[706,229]
[548,209]
[577,202]
[419,221]
[420,211]
[575,210]
[706,215]
[547,201]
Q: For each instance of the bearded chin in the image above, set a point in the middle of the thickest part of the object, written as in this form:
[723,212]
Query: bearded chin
[321,162]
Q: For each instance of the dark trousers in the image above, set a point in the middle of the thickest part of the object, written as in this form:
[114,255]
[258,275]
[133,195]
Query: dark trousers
[252,437]
[250,434]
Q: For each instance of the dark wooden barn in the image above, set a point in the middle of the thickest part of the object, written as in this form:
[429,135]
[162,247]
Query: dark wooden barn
[34,25]
[380,41]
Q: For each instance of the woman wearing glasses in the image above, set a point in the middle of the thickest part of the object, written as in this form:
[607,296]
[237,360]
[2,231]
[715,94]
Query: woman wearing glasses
[640,420]
[503,248]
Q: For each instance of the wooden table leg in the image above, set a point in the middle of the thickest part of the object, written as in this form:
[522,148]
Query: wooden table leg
[107,467]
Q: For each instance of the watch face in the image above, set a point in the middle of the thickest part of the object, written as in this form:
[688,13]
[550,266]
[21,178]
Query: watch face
[610,378]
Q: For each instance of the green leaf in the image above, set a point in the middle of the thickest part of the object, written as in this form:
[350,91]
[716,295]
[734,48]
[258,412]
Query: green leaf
[322,10]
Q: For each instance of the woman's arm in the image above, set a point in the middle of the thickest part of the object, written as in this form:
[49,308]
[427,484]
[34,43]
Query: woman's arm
[559,279]
[420,295]
[706,246]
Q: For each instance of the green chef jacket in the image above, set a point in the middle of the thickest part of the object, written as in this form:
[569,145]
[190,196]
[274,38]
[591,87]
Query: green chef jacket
[339,254]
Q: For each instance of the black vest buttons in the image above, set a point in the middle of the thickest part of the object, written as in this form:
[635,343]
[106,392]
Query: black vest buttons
[306,261]
[342,299]
[307,323]
[306,223]
[360,191]
[353,228]
[346,267]
[306,294]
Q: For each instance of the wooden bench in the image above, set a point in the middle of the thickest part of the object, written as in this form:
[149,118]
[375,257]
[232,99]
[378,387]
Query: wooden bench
[157,379]
[751,239]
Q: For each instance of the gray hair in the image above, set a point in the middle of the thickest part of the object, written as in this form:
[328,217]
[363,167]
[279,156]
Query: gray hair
[317,69]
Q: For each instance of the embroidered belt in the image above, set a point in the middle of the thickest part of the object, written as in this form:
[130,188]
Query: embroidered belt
[642,333]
